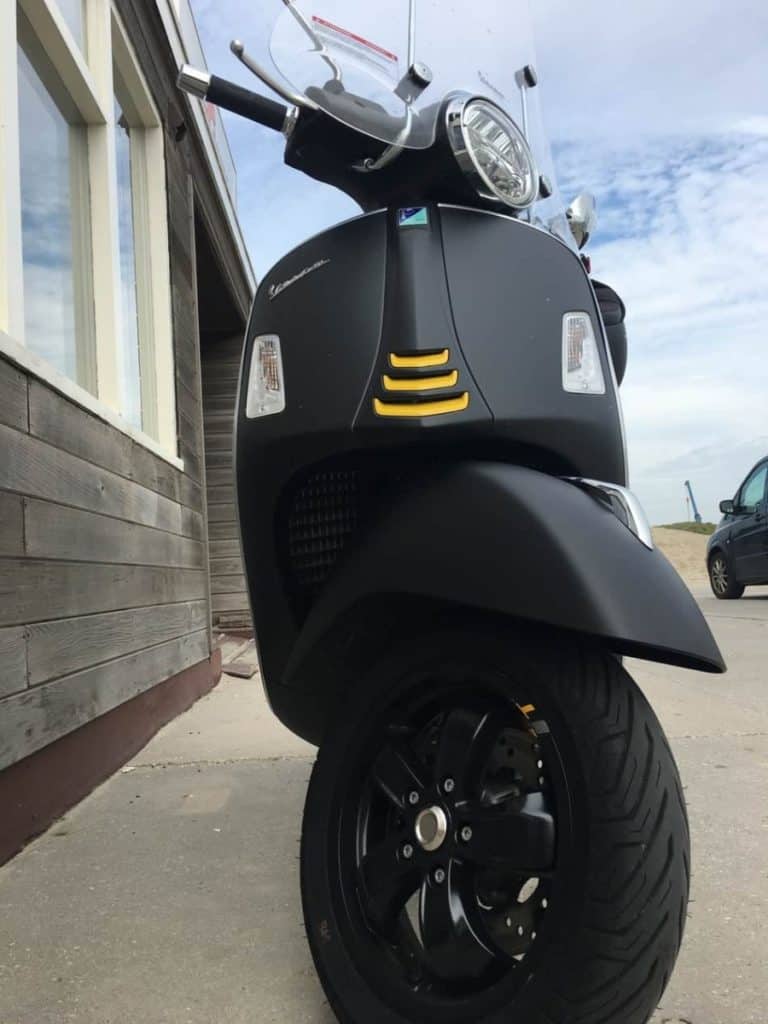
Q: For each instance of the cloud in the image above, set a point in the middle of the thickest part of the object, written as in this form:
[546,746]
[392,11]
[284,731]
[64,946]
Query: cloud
[685,241]
[617,72]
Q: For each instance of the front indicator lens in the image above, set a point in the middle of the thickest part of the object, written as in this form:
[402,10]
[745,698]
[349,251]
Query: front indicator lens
[266,390]
[582,370]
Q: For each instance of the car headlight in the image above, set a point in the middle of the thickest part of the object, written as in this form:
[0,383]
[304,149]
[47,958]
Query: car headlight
[492,152]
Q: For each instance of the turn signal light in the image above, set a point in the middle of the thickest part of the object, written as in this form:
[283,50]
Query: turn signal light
[582,370]
[266,390]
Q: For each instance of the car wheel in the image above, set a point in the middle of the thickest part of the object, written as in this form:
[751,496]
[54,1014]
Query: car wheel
[724,586]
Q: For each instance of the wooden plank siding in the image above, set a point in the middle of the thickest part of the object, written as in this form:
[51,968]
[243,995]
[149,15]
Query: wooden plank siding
[103,583]
[36,591]
[226,566]
[13,661]
[34,468]
[42,714]
[104,579]
[53,531]
[54,419]
[66,645]
[225,549]
[13,397]
[11,524]
[221,372]
[223,531]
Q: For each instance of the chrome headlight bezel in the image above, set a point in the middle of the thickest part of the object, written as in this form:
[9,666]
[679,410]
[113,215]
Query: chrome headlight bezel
[456,112]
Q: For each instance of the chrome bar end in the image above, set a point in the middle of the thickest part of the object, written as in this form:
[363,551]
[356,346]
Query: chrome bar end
[194,81]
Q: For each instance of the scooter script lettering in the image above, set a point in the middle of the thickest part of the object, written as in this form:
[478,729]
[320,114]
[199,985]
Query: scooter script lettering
[278,289]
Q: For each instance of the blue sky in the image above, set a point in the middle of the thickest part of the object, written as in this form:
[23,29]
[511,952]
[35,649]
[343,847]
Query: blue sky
[660,110]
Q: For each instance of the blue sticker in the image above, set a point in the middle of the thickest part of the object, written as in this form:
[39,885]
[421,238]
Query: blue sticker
[413,217]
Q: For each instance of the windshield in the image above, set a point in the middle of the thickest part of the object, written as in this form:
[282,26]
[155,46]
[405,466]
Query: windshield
[331,48]
[353,60]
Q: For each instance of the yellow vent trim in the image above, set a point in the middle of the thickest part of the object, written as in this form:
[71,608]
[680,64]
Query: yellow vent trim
[403,362]
[444,380]
[416,410]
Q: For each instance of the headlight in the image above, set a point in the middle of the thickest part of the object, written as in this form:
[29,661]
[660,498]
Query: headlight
[492,152]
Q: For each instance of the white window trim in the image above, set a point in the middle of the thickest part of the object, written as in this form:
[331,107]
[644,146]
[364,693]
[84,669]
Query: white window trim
[11,263]
[91,87]
[81,80]
[152,243]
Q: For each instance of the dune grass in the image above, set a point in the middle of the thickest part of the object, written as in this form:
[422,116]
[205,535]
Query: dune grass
[705,528]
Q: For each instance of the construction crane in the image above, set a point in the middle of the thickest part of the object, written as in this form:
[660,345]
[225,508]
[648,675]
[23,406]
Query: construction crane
[696,513]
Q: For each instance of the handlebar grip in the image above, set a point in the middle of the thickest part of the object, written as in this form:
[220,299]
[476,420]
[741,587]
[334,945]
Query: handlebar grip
[246,103]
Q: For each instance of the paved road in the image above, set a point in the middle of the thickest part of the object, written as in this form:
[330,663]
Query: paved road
[170,895]
[718,726]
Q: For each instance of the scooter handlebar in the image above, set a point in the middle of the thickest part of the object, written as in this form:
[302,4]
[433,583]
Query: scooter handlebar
[232,97]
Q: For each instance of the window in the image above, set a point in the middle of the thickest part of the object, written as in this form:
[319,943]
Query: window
[84,263]
[753,491]
[73,13]
[53,157]
[129,337]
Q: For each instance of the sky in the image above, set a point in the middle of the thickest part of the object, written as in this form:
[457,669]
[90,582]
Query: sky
[661,111]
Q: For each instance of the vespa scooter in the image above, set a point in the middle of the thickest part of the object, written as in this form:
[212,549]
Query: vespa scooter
[444,562]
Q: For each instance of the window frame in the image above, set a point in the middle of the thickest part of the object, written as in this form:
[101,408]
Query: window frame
[150,220]
[88,79]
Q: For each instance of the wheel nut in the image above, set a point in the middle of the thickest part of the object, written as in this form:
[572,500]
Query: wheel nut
[413,798]
[449,785]
[439,876]
[466,833]
[407,851]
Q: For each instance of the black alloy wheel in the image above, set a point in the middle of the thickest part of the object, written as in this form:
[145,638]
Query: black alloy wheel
[496,836]
[454,839]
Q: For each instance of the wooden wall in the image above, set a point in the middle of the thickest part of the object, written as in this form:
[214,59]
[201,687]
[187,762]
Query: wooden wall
[229,599]
[104,588]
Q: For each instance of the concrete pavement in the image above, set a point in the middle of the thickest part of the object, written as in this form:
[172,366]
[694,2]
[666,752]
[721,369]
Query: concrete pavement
[170,896]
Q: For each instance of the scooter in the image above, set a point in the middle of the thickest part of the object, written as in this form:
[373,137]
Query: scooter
[445,565]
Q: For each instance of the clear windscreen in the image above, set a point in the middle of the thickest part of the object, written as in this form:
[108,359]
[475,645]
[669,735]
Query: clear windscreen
[353,60]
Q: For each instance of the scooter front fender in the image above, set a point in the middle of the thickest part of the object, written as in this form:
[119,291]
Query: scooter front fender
[511,540]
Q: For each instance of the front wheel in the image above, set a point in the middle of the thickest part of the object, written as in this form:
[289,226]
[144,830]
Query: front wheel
[494,833]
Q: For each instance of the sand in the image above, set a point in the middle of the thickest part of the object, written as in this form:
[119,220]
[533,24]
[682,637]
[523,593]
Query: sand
[686,551]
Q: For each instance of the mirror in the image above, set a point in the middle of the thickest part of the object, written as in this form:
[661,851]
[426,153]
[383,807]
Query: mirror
[582,218]
[727,507]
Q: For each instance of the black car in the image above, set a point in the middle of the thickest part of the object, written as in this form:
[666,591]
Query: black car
[737,553]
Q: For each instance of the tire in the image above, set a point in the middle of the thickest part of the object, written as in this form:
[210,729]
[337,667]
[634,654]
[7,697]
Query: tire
[564,903]
[724,586]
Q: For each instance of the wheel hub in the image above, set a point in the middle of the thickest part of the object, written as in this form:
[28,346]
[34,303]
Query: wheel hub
[431,828]
[455,839]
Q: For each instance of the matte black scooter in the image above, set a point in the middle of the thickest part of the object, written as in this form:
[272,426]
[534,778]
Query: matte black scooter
[445,568]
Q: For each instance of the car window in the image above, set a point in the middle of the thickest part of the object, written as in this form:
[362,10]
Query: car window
[753,491]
